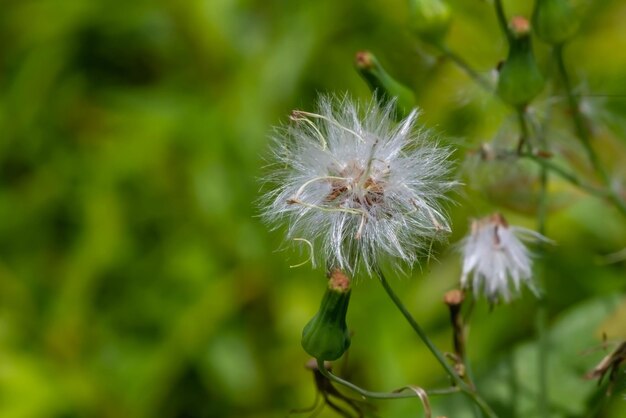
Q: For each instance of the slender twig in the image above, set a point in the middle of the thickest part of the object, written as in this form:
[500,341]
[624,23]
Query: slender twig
[464,66]
[468,314]
[566,175]
[502,19]
[617,200]
[523,139]
[476,398]
[454,299]
[583,132]
[579,123]
[541,314]
[382,395]
[541,324]
[604,193]
[419,331]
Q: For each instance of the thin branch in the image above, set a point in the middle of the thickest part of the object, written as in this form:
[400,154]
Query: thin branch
[504,25]
[579,124]
[464,66]
[583,133]
[478,400]
[399,394]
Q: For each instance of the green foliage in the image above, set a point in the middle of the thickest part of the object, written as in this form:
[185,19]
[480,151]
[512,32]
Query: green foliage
[136,279]
[430,19]
[556,21]
[511,383]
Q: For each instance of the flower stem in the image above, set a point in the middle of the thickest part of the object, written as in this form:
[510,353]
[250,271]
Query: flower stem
[579,124]
[420,332]
[476,398]
[381,395]
[604,193]
[541,324]
[502,19]
[463,65]
[541,314]
[583,132]
[523,139]
[566,175]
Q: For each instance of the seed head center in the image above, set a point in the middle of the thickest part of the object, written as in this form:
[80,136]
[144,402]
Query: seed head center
[357,188]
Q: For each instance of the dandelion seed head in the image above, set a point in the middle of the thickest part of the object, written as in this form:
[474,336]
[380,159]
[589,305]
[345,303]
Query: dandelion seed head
[358,184]
[496,262]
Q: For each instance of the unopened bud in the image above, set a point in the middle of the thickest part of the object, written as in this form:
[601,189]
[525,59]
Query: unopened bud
[382,83]
[519,27]
[556,21]
[520,79]
[430,19]
[326,336]
[454,297]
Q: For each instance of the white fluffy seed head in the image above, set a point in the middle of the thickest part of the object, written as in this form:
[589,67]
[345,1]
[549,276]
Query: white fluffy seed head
[496,262]
[357,184]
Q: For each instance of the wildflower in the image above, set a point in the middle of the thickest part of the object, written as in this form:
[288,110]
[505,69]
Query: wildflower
[494,258]
[358,184]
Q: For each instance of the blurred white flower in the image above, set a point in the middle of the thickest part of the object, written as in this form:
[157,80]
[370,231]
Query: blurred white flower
[495,260]
[358,184]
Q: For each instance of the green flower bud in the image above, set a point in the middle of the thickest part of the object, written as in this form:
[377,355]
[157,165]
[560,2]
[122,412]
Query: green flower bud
[326,336]
[382,83]
[520,79]
[555,21]
[430,19]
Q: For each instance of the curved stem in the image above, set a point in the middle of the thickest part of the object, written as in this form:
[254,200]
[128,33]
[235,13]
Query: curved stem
[604,193]
[583,132]
[486,409]
[566,175]
[579,124]
[381,395]
[464,65]
[502,19]
[523,140]
[419,331]
[541,324]
[541,314]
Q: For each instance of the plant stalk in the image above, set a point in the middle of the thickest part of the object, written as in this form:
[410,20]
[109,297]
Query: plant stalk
[465,388]
[381,395]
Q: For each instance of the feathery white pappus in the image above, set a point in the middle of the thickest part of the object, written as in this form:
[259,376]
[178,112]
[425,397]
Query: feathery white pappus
[495,258]
[357,184]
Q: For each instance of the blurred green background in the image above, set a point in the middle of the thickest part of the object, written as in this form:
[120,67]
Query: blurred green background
[136,279]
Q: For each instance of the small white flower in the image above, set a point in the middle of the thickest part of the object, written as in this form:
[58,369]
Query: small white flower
[358,184]
[495,258]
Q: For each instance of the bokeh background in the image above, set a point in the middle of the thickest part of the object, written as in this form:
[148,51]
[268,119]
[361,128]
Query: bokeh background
[136,279]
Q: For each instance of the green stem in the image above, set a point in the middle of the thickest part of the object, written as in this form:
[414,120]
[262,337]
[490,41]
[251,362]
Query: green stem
[485,408]
[523,140]
[541,323]
[583,133]
[607,193]
[579,124]
[464,66]
[419,331]
[541,314]
[566,175]
[381,395]
[502,19]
